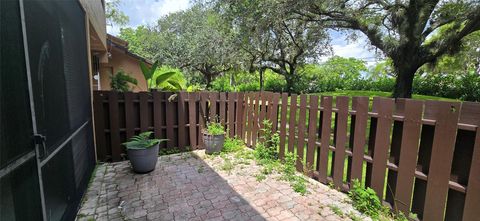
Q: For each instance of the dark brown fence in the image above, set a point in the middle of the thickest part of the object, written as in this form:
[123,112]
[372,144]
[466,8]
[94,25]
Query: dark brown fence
[419,156]
[177,117]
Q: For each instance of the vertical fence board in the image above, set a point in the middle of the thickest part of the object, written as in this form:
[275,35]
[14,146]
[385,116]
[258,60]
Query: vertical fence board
[99,114]
[301,131]
[360,105]
[143,97]
[182,136]
[283,125]
[263,113]
[408,160]
[249,128]
[256,122]
[472,198]
[213,97]
[192,119]
[222,108]
[231,114]
[170,117]
[326,104]
[312,133]
[158,116]
[114,125]
[203,116]
[292,123]
[340,140]
[446,114]
[274,111]
[240,115]
[129,126]
[384,107]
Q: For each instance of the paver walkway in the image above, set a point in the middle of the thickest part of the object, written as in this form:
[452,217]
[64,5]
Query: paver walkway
[190,186]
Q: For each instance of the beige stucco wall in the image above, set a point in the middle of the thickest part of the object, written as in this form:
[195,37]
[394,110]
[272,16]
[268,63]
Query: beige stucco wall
[120,60]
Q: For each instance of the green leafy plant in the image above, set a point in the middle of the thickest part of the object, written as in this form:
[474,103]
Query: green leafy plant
[335,209]
[163,81]
[215,128]
[232,145]
[121,80]
[365,200]
[142,141]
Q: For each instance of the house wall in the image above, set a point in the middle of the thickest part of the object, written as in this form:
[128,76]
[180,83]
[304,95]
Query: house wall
[119,60]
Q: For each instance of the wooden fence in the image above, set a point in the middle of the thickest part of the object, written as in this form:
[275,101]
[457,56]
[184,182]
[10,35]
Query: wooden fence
[418,156]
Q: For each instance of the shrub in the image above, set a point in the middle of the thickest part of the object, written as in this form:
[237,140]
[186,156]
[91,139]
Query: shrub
[215,128]
[365,200]
[121,81]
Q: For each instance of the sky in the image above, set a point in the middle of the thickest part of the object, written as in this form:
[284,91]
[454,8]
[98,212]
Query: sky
[147,12]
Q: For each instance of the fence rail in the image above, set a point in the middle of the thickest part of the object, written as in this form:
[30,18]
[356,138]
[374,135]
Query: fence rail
[418,156]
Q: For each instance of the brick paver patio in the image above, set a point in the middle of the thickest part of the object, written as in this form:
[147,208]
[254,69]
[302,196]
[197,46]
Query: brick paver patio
[190,186]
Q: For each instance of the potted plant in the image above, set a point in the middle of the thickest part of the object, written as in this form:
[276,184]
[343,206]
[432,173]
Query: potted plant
[213,137]
[143,152]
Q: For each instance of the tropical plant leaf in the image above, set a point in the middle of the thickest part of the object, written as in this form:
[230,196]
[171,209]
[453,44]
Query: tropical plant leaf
[164,77]
[175,84]
[142,141]
[154,68]
[145,70]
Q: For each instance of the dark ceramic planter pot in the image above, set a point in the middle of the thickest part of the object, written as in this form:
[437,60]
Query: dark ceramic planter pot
[144,160]
[213,143]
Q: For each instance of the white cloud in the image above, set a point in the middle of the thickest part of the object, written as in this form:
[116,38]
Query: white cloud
[147,12]
[358,49]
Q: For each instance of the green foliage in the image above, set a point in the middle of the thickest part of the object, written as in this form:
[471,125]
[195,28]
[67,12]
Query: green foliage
[139,40]
[114,15]
[197,40]
[163,151]
[194,88]
[267,149]
[161,80]
[222,84]
[121,80]
[335,209]
[365,200]
[142,141]
[260,177]
[215,128]
[174,82]
[266,154]
[464,86]
[232,145]
[227,165]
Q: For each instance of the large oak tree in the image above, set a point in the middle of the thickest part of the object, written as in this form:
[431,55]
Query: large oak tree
[401,29]
[197,40]
[271,39]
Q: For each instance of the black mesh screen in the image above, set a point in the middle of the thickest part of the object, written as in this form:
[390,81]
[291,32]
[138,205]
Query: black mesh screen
[60,78]
[58,59]
[19,190]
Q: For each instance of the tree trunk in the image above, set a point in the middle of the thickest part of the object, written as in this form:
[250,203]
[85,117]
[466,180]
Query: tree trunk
[290,82]
[208,79]
[404,81]
[261,71]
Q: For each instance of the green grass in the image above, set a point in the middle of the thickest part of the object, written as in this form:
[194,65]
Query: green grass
[372,94]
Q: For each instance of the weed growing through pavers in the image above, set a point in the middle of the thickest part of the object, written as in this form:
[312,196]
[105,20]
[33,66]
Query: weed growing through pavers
[353,217]
[335,209]
[366,201]
[265,154]
[227,165]
[200,169]
[260,177]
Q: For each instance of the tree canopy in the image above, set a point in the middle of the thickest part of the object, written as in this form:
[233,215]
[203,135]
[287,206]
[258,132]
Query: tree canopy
[401,29]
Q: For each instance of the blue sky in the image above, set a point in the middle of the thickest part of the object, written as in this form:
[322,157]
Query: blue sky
[147,12]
